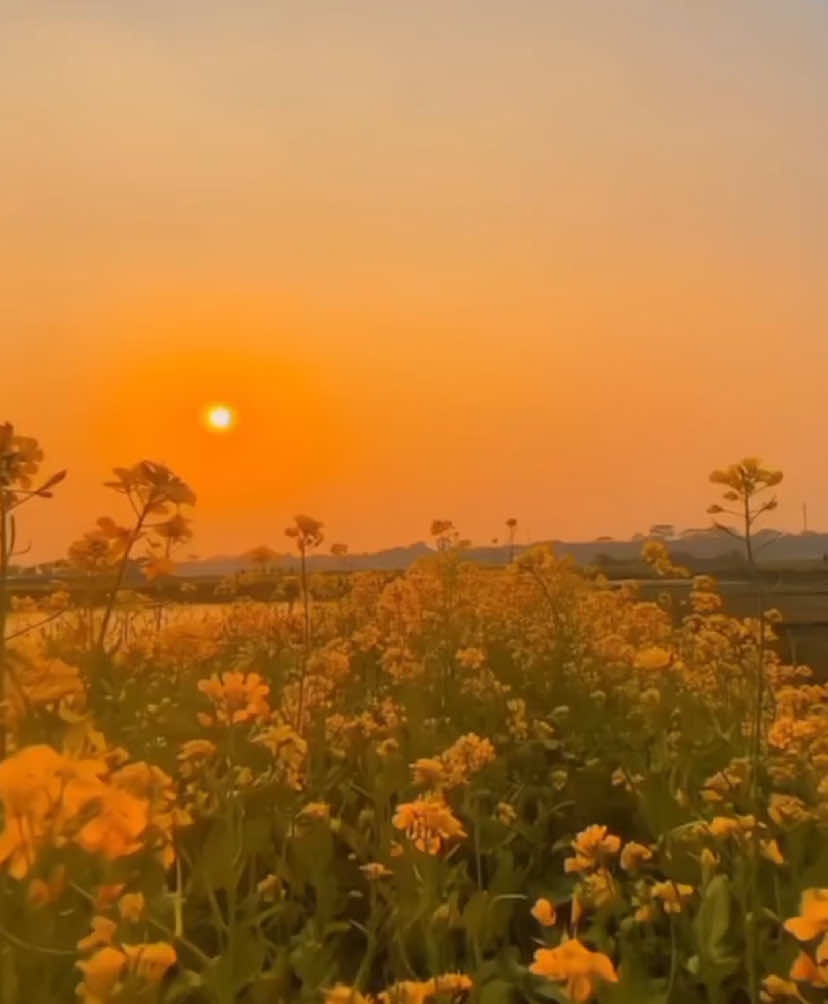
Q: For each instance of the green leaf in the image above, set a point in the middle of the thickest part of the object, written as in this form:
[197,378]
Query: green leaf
[719,955]
[183,988]
[496,992]
[216,861]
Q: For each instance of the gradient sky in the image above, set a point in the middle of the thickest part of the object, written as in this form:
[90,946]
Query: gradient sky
[462,259]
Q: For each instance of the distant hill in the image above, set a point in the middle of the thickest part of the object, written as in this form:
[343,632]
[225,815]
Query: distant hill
[698,547]
[700,550]
[391,559]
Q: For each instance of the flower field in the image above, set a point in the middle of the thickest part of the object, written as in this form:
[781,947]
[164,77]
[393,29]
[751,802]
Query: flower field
[461,783]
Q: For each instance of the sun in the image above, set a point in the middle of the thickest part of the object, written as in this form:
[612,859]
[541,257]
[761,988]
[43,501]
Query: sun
[220,417]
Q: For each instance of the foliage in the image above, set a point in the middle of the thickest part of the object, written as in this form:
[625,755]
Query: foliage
[496,785]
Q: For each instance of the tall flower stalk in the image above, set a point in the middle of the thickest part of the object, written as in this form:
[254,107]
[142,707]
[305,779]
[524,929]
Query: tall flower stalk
[746,486]
[151,490]
[511,526]
[307,532]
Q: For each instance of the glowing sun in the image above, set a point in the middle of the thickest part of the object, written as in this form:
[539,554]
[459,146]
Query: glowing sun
[220,417]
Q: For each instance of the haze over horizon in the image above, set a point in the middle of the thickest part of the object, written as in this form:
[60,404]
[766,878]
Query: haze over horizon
[549,260]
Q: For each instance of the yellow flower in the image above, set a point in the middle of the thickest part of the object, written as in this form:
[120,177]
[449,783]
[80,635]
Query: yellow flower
[471,658]
[375,870]
[544,913]
[672,895]
[103,931]
[269,888]
[654,657]
[38,893]
[725,784]
[289,751]
[465,757]
[41,892]
[620,779]
[342,994]
[774,988]
[406,992]
[118,827]
[723,827]
[591,846]
[40,681]
[106,895]
[600,889]
[517,722]
[813,919]
[428,772]
[196,749]
[813,971]
[422,991]
[575,965]
[452,983]
[101,973]
[150,961]
[634,855]
[787,810]
[131,907]
[236,698]
[30,790]
[770,849]
[428,823]
[505,813]
[244,777]
[316,810]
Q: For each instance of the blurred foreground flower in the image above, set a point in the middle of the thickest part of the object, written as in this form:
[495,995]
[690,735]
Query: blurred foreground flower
[576,966]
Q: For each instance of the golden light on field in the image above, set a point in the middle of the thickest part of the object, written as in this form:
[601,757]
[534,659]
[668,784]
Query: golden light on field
[220,417]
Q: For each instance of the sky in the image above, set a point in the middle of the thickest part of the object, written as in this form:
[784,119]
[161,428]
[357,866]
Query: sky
[462,259]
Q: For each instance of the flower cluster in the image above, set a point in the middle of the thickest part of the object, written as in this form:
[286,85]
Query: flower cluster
[237,698]
[428,823]
[456,765]
[449,986]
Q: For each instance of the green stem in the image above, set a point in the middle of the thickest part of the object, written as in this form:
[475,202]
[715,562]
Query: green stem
[371,943]
[202,957]
[119,578]
[28,946]
[752,897]
[673,960]
[478,861]
[306,654]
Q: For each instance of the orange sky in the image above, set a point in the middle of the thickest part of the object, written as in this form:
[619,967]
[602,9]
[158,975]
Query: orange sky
[471,259]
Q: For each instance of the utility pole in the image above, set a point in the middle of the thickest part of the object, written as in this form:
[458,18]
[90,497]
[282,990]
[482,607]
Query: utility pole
[804,517]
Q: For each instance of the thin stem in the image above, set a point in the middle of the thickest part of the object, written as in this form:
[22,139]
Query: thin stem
[371,941]
[478,860]
[673,960]
[306,654]
[122,567]
[28,946]
[752,897]
[202,957]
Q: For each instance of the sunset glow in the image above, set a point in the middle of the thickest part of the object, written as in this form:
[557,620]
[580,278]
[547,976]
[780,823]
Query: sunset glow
[472,260]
